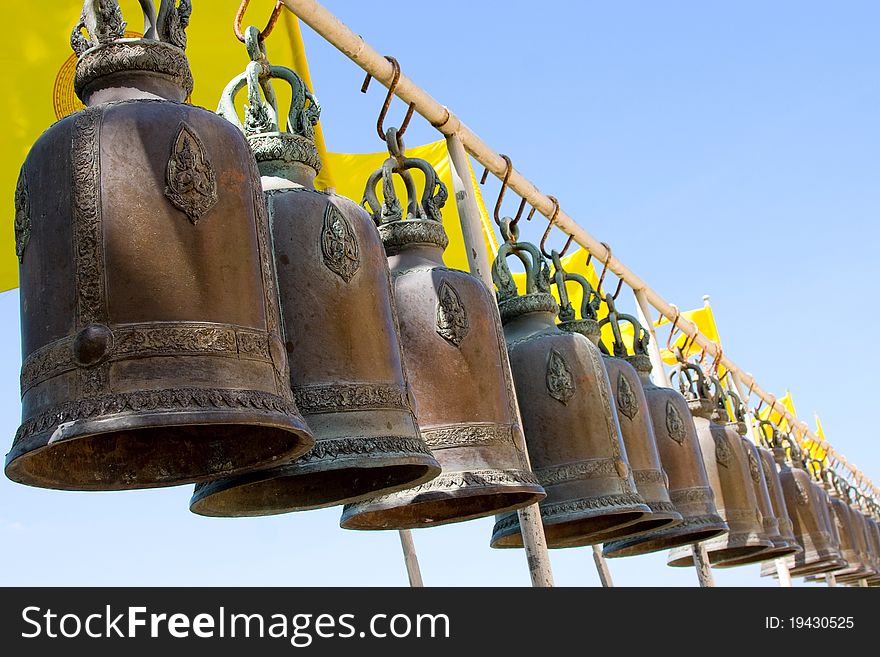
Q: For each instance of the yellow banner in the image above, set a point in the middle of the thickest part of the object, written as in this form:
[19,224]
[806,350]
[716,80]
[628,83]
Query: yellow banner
[39,66]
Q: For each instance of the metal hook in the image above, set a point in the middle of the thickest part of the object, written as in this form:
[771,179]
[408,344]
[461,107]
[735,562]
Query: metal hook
[550,226]
[504,180]
[395,78]
[716,362]
[266,31]
[674,328]
[604,267]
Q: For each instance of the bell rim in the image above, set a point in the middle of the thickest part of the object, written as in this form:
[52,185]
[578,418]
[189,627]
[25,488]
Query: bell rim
[770,554]
[208,496]
[356,515]
[691,529]
[91,431]
[726,547]
[507,533]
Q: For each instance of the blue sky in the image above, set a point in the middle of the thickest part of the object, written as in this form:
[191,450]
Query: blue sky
[728,149]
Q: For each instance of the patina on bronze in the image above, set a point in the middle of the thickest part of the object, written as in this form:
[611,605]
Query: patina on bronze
[727,465]
[860,565]
[682,461]
[629,400]
[571,429]
[456,361]
[807,510]
[848,531]
[151,336]
[340,325]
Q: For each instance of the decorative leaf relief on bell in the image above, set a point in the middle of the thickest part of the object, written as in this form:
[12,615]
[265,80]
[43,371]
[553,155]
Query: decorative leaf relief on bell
[754,469]
[560,382]
[802,496]
[22,216]
[339,247]
[191,183]
[452,319]
[674,423]
[722,451]
[626,398]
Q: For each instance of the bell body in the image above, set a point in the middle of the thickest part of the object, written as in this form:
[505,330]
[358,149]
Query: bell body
[682,461]
[151,335]
[874,527]
[777,499]
[761,478]
[727,465]
[843,520]
[342,339]
[808,518]
[456,362]
[861,565]
[571,430]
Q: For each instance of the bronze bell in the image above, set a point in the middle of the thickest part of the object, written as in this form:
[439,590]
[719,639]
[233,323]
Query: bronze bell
[874,531]
[682,461]
[842,516]
[761,481]
[571,430]
[151,337]
[340,323]
[807,513]
[629,401]
[456,361]
[727,465]
[774,487]
[861,567]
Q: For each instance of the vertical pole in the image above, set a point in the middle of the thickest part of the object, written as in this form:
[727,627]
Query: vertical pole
[534,541]
[602,567]
[783,574]
[830,579]
[704,570]
[863,582]
[410,558]
[658,374]
[468,210]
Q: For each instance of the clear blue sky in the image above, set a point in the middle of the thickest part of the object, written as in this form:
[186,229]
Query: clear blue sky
[728,149]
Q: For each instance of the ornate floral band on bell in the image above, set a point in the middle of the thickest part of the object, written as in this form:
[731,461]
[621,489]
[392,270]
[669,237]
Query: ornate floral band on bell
[456,361]
[571,428]
[340,323]
[151,331]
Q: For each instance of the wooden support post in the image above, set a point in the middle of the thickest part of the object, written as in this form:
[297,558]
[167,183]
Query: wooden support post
[534,541]
[602,567]
[704,570]
[411,559]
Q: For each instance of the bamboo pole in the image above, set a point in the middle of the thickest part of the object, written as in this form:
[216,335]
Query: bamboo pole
[534,541]
[411,559]
[355,48]
[602,567]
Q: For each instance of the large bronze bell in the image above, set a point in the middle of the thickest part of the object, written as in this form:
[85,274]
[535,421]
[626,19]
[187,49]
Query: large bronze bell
[571,430]
[629,402]
[807,512]
[861,567]
[456,361]
[774,487]
[681,457]
[340,323]
[761,481]
[151,337]
[727,465]
[842,516]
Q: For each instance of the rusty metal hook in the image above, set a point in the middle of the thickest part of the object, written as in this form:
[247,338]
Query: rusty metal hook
[395,78]
[550,226]
[604,267]
[504,180]
[716,362]
[266,31]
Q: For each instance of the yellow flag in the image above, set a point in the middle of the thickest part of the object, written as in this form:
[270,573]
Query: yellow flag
[39,66]
[705,321]
[813,447]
